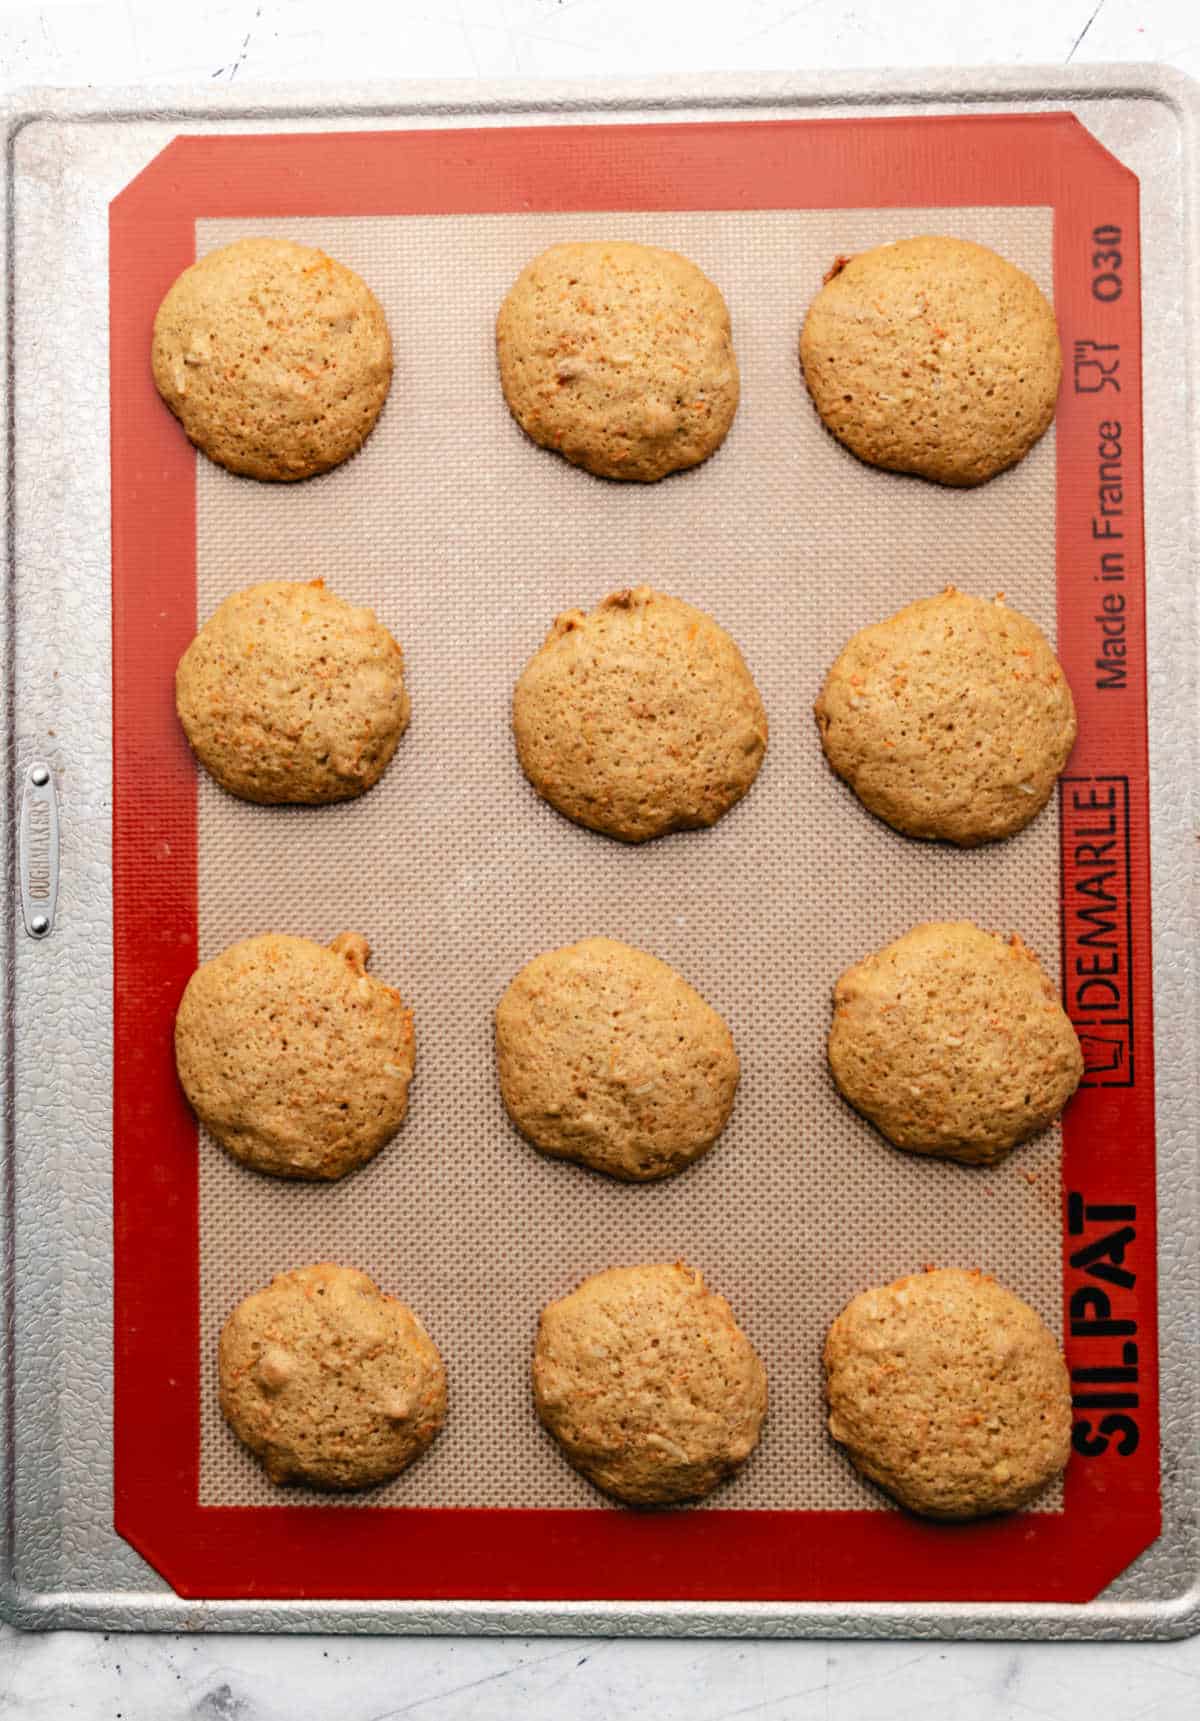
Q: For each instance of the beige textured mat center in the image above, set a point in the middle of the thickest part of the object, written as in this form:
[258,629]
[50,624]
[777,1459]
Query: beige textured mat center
[466,539]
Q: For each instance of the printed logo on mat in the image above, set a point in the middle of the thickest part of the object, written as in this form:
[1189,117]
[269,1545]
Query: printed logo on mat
[1105,1376]
[1097,929]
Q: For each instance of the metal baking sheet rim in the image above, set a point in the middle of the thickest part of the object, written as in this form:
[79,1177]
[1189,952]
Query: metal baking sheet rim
[1156,1598]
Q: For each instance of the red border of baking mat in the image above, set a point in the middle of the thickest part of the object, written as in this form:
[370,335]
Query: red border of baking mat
[1111,1501]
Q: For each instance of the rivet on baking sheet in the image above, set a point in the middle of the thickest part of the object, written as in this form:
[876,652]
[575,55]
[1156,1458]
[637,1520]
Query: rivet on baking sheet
[37,851]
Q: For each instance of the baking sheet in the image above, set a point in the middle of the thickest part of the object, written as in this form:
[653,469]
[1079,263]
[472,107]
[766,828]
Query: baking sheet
[675,1620]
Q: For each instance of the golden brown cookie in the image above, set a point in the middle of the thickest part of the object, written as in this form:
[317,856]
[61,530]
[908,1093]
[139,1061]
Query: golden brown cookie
[950,1392]
[293,1056]
[620,357]
[288,693]
[275,359]
[640,718]
[953,1042]
[933,356]
[648,1384]
[329,1381]
[607,1056]
[950,719]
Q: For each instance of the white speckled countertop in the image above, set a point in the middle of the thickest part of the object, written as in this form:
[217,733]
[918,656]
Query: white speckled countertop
[146,1678]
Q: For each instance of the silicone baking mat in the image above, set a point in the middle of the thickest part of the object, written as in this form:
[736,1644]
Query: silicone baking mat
[466,539]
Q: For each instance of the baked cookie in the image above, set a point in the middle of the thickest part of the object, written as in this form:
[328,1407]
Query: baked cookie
[607,1056]
[288,693]
[933,356]
[275,359]
[329,1381]
[620,357]
[953,1042]
[950,719]
[293,1057]
[648,1384]
[640,718]
[950,1392]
